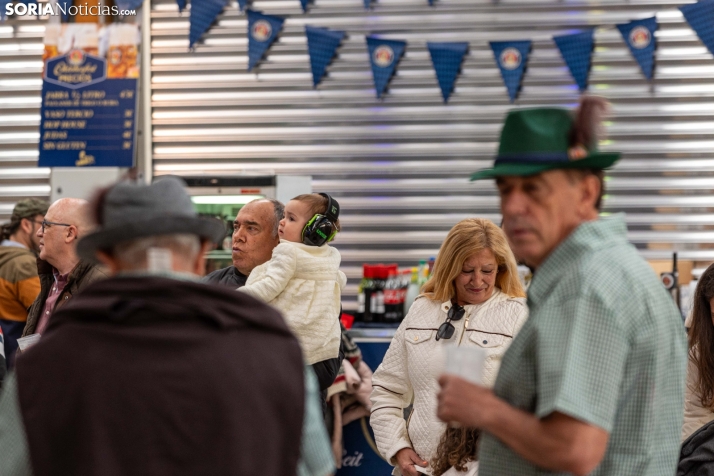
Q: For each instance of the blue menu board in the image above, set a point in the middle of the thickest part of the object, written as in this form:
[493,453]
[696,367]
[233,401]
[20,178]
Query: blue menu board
[87,118]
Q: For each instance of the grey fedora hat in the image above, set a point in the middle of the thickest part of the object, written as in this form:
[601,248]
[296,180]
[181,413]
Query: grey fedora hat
[130,211]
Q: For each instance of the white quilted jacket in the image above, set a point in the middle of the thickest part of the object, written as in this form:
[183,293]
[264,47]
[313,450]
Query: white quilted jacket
[304,283]
[414,361]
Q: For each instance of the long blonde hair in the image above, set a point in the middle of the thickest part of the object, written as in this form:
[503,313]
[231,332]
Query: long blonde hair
[467,238]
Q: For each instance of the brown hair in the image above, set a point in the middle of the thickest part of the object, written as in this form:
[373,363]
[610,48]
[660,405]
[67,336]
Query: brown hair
[465,239]
[701,339]
[317,206]
[579,174]
[457,447]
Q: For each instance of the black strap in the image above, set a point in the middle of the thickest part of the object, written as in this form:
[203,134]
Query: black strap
[333,208]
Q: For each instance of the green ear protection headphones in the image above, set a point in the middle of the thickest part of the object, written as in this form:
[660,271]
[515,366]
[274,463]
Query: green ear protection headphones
[321,228]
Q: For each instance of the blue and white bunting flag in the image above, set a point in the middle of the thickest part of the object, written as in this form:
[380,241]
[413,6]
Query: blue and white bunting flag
[203,14]
[181,5]
[3,4]
[322,45]
[242,4]
[65,8]
[512,58]
[304,4]
[639,36]
[447,59]
[128,4]
[700,17]
[384,56]
[577,51]
[367,4]
[262,32]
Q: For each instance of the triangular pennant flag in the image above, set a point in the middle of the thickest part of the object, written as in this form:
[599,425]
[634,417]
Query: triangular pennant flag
[322,45]
[512,58]
[639,36]
[65,8]
[367,4]
[577,51]
[431,3]
[447,59]
[181,4]
[303,4]
[203,14]
[384,56]
[262,32]
[700,17]
[3,4]
[242,4]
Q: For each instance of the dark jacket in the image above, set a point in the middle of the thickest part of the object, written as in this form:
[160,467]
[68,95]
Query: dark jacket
[79,278]
[229,276]
[325,370]
[155,376]
[696,457]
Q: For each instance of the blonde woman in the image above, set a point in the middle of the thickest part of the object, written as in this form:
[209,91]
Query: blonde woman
[474,298]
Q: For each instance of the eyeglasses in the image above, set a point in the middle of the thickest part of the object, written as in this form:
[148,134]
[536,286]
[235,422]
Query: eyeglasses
[47,224]
[446,330]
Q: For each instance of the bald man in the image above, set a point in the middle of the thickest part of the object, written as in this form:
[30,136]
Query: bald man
[62,273]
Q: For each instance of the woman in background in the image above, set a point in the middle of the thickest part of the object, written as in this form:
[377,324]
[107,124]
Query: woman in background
[474,298]
[699,393]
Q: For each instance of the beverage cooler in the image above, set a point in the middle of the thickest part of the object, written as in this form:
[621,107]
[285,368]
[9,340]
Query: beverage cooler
[223,196]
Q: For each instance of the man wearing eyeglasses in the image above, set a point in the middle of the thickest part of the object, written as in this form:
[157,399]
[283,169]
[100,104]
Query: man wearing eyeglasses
[19,283]
[62,273]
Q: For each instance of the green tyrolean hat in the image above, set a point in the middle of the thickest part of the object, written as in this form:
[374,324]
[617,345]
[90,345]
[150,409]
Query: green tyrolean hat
[540,139]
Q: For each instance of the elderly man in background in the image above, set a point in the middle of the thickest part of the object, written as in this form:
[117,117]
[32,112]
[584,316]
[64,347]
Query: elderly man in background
[150,372]
[62,273]
[19,283]
[255,234]
[594,382]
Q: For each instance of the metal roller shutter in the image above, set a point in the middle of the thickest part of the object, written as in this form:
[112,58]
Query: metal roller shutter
[400,166]
[20,98]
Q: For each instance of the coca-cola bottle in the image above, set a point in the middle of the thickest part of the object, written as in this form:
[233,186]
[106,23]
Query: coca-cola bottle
[391,296]
[367,288]
[359,314]
[377,297]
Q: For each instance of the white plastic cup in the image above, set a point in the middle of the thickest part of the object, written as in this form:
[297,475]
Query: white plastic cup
[465,362]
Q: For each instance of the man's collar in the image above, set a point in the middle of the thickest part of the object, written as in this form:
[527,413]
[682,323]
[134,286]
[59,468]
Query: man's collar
[58,276]
[237,271]
[13,243]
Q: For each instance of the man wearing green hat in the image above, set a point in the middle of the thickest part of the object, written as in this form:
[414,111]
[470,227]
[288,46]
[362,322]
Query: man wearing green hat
[594,381]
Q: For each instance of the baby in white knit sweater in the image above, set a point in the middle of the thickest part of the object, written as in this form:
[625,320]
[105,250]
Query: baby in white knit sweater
[302,279]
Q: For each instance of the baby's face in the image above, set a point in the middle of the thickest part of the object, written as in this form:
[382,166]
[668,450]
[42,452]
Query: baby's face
[296,217]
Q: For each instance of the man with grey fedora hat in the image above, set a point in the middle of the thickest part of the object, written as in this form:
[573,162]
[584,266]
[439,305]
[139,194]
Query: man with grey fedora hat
[151,372]
[594,382]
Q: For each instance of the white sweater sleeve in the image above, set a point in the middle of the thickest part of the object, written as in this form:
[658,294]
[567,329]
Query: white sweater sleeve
[272,278]
[391,393]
